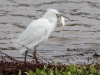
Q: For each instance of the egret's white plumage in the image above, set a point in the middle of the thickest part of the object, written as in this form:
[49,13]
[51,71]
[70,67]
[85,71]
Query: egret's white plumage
[38,30]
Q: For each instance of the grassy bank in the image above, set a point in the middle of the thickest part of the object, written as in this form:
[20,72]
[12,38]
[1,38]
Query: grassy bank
[10,66]
[66,70]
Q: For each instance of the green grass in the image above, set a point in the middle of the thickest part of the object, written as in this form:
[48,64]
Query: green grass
[67,70]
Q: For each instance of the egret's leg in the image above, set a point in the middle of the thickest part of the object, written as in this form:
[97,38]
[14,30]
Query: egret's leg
[35,54]
[25,55]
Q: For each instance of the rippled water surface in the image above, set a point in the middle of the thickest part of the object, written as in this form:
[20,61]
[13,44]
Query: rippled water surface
[82,30]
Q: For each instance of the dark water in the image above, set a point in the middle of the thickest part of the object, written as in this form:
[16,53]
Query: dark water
[82,30]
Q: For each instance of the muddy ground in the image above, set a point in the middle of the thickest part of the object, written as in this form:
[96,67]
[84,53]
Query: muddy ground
[75,43]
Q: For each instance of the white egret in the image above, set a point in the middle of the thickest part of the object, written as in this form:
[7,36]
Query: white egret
[38,31]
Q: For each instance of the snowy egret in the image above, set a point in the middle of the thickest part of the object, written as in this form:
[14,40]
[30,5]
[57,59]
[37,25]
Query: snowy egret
[38,31]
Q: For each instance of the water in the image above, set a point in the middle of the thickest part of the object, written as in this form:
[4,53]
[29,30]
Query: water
[82,30]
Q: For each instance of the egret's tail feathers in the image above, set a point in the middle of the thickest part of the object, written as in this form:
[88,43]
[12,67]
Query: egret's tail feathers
[18,45]
[15,44]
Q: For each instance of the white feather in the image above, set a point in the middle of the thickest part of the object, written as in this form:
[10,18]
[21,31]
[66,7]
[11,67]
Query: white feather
[38,31]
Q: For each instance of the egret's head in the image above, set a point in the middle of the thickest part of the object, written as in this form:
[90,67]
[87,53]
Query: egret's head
[55,14]
[51,13]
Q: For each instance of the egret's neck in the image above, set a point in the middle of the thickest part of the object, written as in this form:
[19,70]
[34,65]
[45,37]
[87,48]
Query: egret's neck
[51,18]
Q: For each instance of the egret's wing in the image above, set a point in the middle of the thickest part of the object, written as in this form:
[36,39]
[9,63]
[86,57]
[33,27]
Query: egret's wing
[25,33]
[34,32]
[39,33]
[35,24]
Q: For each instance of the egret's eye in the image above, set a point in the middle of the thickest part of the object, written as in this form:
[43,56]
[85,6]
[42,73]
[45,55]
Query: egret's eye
[57,15]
